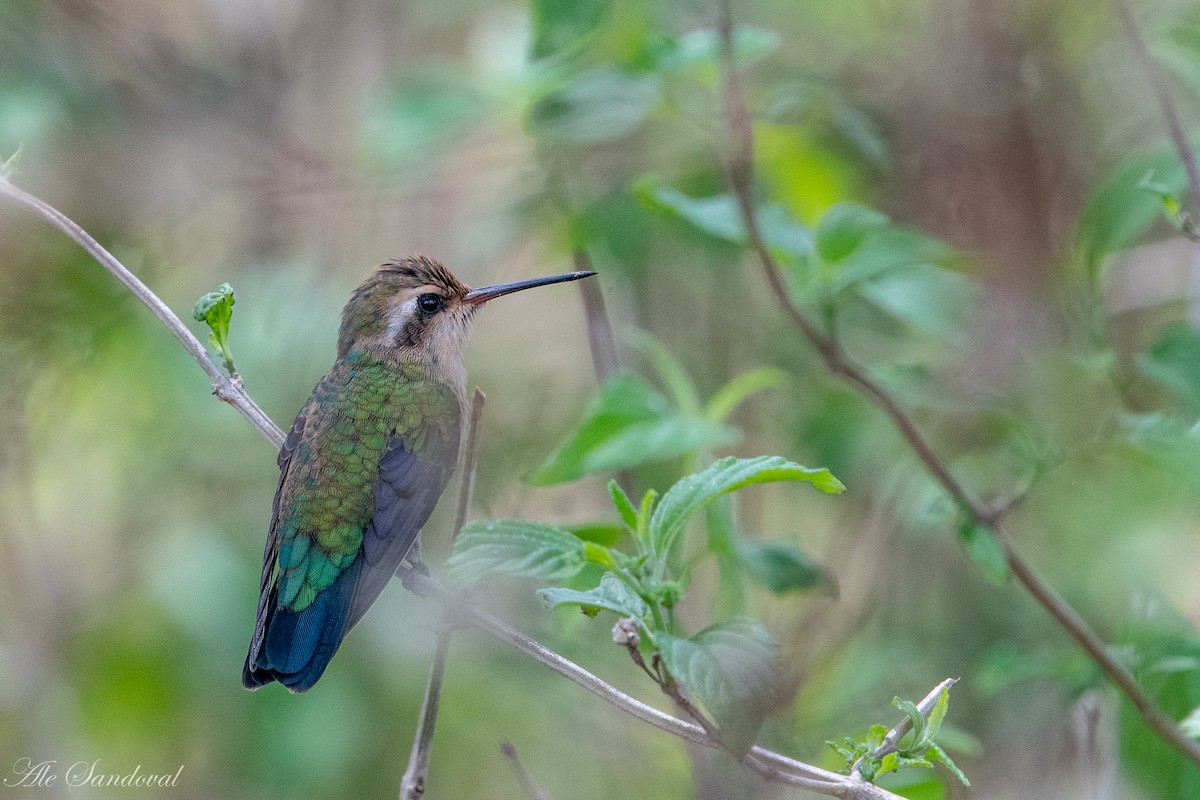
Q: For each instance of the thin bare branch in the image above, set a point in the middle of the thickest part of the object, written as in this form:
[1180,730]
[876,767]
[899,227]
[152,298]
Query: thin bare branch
[599,328]
[534,791]
[416,775]
[412,785]
[228,389]
[763,761]
[740,176]
[466,489]
[1165,104]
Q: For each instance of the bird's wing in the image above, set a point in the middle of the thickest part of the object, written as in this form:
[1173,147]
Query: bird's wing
[406,493]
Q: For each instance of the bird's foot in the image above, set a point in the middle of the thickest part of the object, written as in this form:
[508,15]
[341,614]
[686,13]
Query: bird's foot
[405,572]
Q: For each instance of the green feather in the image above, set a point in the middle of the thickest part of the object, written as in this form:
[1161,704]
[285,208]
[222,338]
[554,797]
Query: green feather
[327,500]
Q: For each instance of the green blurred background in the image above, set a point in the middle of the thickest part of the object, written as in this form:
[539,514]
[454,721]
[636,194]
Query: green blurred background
[1039,330]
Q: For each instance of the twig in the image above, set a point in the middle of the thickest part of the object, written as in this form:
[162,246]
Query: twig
[601,342]
[412,785]
[1165,104]
[769,764]
[532,789]
[892,738]
[228,389]
[763,761]
[599,329]
[466,489]
[740,175]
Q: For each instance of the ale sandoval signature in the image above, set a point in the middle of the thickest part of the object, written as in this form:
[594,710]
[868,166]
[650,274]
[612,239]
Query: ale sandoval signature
[30,773]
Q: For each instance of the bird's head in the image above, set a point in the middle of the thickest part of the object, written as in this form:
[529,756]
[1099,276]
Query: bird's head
[415,309]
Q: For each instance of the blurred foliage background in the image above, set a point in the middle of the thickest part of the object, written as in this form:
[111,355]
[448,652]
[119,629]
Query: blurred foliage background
[1007,268]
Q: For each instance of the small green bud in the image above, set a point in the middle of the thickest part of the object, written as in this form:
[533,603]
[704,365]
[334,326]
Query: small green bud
[216,310]
[668,594]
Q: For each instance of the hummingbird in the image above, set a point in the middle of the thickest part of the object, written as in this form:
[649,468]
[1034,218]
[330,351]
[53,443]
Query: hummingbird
[365,462]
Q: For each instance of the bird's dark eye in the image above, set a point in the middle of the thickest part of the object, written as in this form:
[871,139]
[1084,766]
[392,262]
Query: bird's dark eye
[430,303]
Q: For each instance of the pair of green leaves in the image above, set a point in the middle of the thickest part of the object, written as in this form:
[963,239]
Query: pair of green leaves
[731,668]
[629,424]
[917,749]
[537,550]
[853,251]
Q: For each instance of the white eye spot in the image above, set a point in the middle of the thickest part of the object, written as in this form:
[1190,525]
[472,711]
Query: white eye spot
[400,316]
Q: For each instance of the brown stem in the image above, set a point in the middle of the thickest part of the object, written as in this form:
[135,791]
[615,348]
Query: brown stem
[534,791]
[740,175]
[412,785]
[1165,104]
[599,328]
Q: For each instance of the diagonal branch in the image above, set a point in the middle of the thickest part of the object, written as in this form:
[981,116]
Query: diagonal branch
[412,785]
[228,389]
[1165,104]
[769,764]
[740,176]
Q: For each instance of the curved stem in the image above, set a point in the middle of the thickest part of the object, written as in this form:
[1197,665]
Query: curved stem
[740,175]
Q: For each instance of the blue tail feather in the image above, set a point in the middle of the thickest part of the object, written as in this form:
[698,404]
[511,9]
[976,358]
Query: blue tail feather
[296,647]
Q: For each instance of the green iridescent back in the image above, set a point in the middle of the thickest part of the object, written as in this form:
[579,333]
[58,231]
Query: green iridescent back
[327,493]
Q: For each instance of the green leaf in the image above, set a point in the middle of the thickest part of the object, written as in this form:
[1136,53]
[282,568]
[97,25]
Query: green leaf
[815,103]
[936,753]
[702,48]
[719,216]
[1117,212]
[602,533]
[931,299]
[1180,50]
[910,710]
[740,387]
[844,227]
[563,25]
[629,514]
[783,568]
[599,105]
[672,373]
[11,166]
[515,547]
[732,669]
[1174,362]
[612,594]
[643,530]
[216,310]
[1005,666]
[884,250]
[405,123]
[938,713]
[627,424]
[693,492]
[986,551]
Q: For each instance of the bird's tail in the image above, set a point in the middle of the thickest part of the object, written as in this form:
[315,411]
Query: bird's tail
[294,647]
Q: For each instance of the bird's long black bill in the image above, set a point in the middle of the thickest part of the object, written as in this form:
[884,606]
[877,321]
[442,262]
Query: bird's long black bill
[485,293]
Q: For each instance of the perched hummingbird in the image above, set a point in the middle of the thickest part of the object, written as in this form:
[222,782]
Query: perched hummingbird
[365,463]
